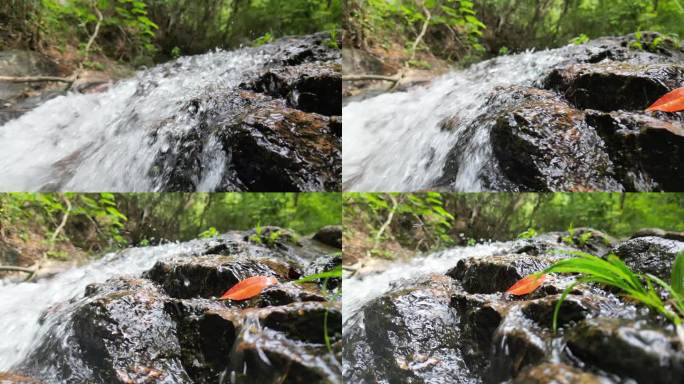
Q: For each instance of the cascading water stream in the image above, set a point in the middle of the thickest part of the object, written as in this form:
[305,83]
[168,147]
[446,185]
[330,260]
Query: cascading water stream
[396,141]
[28,310]
[359,291]
[109,141]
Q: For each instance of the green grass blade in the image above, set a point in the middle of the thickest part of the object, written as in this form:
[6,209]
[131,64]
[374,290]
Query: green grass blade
[335,272]
[678,274]
[677,299]
[556,310]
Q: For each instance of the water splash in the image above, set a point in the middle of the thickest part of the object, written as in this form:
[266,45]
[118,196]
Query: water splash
[29,310]
[359,291]
[397,142]
[109,141]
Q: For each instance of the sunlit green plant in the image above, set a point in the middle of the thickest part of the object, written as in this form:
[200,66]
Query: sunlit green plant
[614,273]
[530,233]
[333,273]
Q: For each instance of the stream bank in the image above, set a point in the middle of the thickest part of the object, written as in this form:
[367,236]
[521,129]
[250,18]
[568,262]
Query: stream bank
[445,318]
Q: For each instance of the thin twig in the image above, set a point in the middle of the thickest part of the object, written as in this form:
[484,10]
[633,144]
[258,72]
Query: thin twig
[390,216]
[94,35]
[423,30]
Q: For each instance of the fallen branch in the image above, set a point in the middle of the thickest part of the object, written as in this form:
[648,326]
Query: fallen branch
[370,77]
[37,79]
[10,268]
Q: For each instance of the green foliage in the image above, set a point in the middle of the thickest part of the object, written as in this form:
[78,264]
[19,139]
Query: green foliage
[678,274]
[118,220]
[126,31]
[211,232]
[579,40]
[613,272]
[530,233]
[375,22]
[503,216]
[333,273]
[261,40]
[521,25]
[44,212]
[138,31]
[423,213]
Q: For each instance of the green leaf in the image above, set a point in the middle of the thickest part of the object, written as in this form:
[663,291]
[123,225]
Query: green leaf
[678,274]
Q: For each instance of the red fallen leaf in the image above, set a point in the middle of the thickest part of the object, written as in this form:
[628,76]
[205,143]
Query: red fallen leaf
[248,288]
[526,285]
[670,102]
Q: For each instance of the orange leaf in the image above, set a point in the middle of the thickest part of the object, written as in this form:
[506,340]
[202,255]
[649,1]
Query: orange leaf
[526,285]
[248,288]
[671,102]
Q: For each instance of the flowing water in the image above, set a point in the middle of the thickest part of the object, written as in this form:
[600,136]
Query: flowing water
[359,291]
[108,141]
[394,142]
[29,310]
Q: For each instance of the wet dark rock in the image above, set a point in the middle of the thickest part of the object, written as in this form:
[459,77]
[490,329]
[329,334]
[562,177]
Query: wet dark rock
[264,355]
[610,86]
[207,276]
[653,255]
[648,152]
[541,143]
[629,349]
[310,87]
[283,149]
[322,264]
[488,336]
[330,235]
[283,294]
[413,335]
[497,273]
[657,232]
[168,327]
[280,131]
[582,126]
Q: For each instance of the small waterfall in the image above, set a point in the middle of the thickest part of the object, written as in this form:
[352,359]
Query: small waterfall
[140,134]
[398,142]
[29,310]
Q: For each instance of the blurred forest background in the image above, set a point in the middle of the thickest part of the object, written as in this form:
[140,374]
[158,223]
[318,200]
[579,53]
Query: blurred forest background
[399,225]
[420,33]
[70,226]
[96,33]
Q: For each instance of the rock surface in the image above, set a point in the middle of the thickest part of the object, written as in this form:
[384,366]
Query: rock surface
[582,126]
[168,327]
[280,131]
[462,327]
